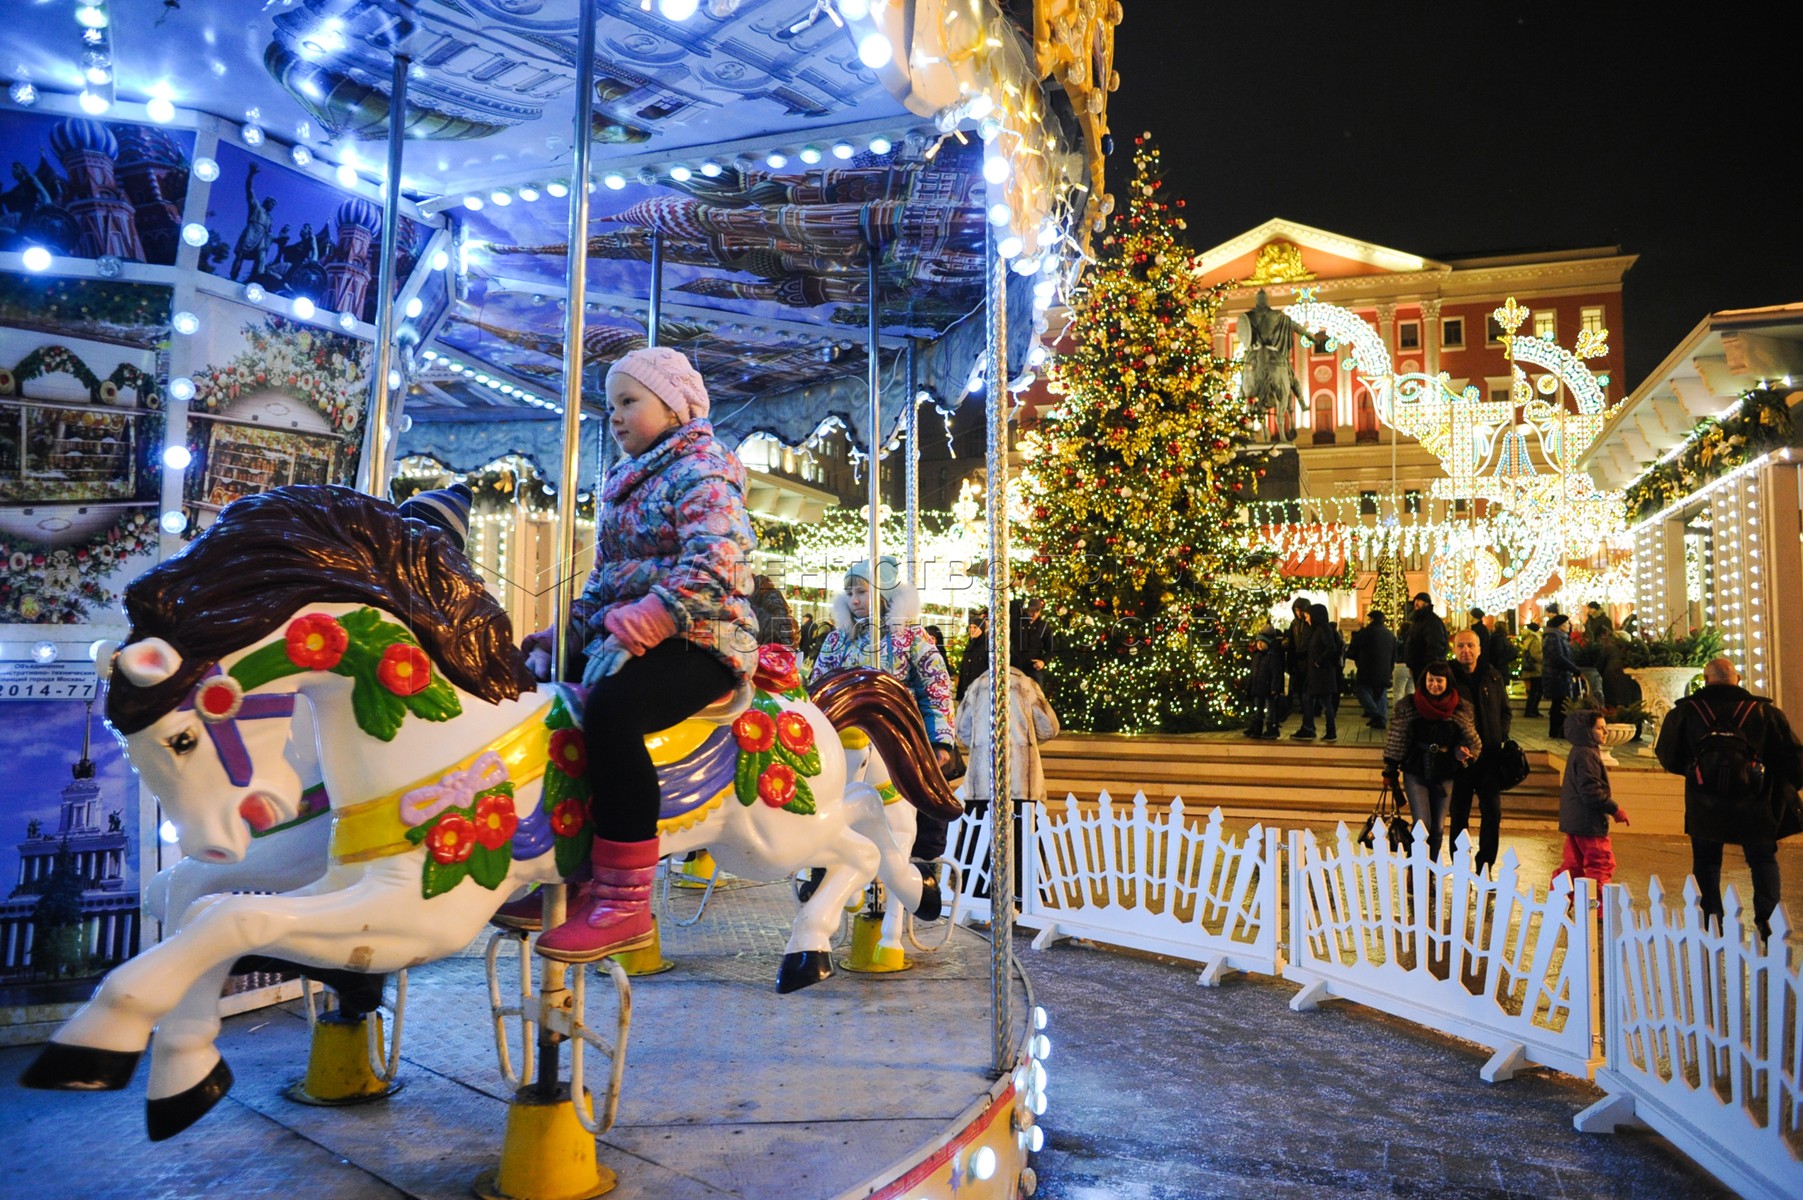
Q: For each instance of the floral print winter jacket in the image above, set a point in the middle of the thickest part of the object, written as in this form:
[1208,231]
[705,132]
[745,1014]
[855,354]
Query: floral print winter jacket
[672,524]
[910,656]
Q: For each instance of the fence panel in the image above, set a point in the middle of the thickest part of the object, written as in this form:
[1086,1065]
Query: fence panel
[1154,881]
[1444,947]
[1704,1041]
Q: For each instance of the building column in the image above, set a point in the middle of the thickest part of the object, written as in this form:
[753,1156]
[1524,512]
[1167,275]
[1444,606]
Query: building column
[1430,336]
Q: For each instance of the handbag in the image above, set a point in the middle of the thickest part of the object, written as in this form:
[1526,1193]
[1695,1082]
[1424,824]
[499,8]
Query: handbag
[956,768]
[1388,814]
[1511,765]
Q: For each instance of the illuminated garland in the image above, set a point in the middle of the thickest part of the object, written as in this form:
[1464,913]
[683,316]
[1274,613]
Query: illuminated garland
[1134,484]
[1761,421]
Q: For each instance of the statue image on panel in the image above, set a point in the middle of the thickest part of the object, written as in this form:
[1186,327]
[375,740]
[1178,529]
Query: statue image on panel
[1267,372]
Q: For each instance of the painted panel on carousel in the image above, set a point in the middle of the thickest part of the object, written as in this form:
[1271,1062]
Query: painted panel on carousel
[298,236]
[83,188]
[505,329]
[497,73]
[278,402]
[81,434]
[68,852]
[771,243]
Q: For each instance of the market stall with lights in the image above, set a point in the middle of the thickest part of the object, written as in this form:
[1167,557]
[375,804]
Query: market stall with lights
[305,244]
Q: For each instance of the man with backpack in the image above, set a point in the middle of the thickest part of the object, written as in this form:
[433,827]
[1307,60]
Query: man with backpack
[1742,767]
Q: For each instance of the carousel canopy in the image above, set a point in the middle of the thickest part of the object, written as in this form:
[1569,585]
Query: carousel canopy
[770,146]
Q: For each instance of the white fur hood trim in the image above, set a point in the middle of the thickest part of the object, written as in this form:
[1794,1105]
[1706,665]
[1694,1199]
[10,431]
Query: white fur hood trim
[901,606]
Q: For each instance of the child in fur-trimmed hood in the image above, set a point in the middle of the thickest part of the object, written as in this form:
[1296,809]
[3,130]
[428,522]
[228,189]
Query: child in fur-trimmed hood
[903,650]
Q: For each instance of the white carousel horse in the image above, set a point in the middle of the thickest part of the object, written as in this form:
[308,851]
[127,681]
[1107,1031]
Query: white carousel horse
[450,786]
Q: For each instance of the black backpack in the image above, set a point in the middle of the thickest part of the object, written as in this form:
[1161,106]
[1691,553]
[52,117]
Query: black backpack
[1727,766]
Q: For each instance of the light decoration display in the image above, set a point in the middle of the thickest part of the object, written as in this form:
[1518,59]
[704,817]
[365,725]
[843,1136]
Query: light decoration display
[1724,564]
[1514,460]
[952,549]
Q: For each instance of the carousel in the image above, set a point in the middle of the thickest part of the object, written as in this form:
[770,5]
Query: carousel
[322,239]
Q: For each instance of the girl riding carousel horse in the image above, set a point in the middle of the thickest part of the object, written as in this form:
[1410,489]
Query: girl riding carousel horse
[666,623]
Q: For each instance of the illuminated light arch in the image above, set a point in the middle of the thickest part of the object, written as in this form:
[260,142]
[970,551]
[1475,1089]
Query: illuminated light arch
[1483,446]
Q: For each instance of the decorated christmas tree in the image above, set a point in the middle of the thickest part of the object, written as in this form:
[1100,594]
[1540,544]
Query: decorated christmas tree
[1391,596]
[1135,484]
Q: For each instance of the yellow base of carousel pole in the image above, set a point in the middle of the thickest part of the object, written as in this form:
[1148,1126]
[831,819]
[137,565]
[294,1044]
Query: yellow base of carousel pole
[646,960]
[695,872]
[338,1070]
[546,1153]
[869,957]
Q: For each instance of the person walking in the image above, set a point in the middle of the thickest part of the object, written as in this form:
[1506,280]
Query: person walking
[1296,643]
[1559,671]
[1426,641]
[1431,733]
[1742,766]
[1373,652]
[1264,685]
[1321,686]
[1530,645]
[1480,685]
[1586,806]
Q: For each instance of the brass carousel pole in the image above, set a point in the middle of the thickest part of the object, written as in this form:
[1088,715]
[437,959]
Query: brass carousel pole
[1001,801]
[562,582]
[377,441]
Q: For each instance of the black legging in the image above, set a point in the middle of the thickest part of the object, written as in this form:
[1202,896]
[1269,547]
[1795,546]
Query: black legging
[673,680]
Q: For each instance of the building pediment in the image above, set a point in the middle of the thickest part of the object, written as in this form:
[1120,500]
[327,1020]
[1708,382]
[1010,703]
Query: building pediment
[1288,253]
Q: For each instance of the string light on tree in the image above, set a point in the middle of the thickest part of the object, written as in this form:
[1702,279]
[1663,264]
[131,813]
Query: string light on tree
[1135,486]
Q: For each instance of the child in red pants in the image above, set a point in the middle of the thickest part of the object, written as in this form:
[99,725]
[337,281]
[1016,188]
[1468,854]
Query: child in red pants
[1585,805]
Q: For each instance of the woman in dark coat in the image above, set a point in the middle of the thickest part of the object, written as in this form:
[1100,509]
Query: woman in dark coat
[1431,732]
[1558,671]
[1321,687]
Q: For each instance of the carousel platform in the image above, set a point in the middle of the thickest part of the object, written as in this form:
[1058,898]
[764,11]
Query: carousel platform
[858,1086]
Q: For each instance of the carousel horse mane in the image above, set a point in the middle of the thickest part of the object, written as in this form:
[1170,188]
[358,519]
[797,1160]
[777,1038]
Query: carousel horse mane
[876,702]
[272,553]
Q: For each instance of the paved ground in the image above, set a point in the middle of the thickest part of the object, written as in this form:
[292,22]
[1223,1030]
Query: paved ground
[1159,1090]
[1162,1090]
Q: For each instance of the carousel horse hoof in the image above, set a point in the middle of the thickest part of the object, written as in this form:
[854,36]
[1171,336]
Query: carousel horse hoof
[803,970]
[932,896]
[165,1118]
[804,891]
[66,1068]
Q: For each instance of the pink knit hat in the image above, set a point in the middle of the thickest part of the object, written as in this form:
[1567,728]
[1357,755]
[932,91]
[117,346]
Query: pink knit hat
[670,377]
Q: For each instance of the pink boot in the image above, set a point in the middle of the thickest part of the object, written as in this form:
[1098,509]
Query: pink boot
[611,914]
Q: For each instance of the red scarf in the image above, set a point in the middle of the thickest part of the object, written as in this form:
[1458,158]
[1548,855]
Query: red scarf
[1436,708]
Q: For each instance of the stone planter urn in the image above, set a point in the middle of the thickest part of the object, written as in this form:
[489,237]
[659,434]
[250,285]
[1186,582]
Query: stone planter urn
[1616,735]
[1660,688]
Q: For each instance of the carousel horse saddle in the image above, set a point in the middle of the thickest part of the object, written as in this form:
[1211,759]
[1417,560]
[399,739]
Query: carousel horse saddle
[695,763]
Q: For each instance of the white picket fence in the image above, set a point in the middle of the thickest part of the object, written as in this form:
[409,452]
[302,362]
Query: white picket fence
[1148,880]
[1705,1039]
[1704,1030]
[1485,960]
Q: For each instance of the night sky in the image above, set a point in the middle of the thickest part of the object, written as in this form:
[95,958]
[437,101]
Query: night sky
[1452,130]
